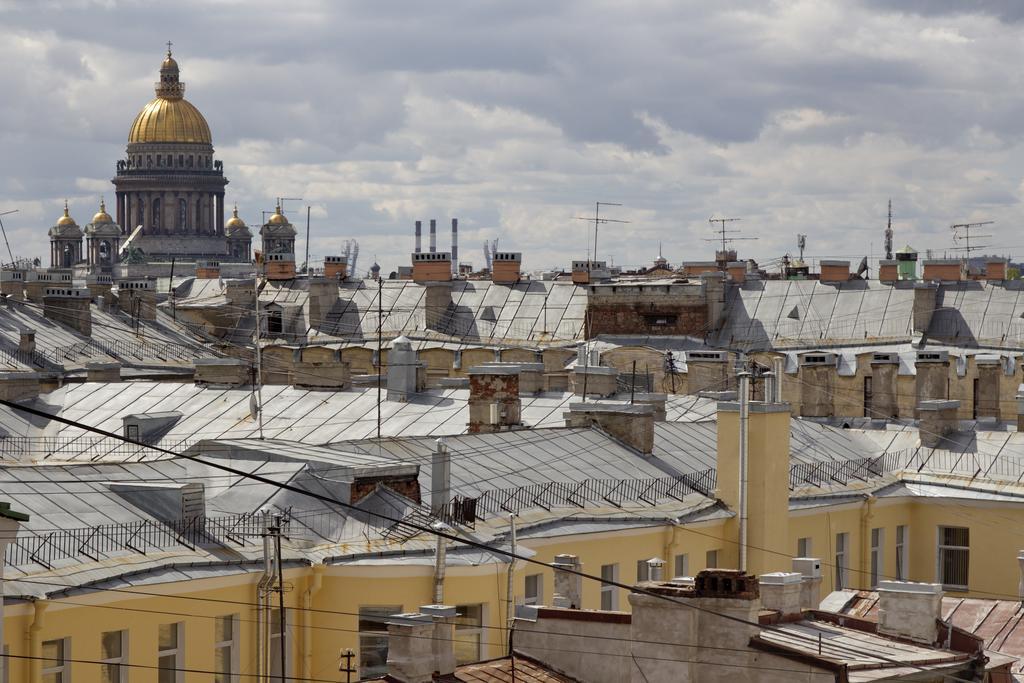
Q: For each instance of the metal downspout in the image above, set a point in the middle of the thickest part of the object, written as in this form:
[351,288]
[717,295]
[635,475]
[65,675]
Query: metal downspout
[35,645]
[866,513]
[316,582]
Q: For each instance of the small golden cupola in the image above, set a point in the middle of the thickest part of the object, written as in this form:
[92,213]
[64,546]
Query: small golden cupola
[66,220]
[235,225]
[102,217]
[278,218]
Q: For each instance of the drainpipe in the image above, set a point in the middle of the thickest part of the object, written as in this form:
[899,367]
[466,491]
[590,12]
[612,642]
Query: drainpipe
[314,584]
[440,484]
[35,644]
[671,528]
[777,370]
[744,391]
[866,513]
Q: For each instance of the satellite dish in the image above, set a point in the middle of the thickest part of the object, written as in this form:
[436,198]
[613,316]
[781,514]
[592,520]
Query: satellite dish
[863,267]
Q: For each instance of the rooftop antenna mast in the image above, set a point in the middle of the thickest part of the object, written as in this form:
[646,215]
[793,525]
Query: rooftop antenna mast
[4,231]
[597,220]
[962,232]
[801,244]
[723,234]
[888,234]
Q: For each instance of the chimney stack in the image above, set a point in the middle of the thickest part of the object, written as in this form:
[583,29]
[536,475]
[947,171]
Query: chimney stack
[207,269]
[433,235]
[568,591]
[809,569]
[421,644]
[632,424]
[455,246]
[781,591]
[69,306]
[910,610]
[419,236]
[404,371]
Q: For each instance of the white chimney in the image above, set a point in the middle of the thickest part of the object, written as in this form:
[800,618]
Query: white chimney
[809,569]
[781,591]
[415,650]
[419,230]
[910,610]
[402,369]
[568,586]
[433,235]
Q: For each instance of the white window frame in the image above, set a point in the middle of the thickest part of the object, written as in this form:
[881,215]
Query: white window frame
[682,565]
[711,559]
[178,651]
[608,590]
[877,555]
[903,552]
[536,595]
[804,547]
[122,660]
[842,574]
[61,669]
[940,557]
[232,675]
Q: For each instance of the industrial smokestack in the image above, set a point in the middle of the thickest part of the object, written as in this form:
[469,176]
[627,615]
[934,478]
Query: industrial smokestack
[455,246]
[433,235]
[419,231]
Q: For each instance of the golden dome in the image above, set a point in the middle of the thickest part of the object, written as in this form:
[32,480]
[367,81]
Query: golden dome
[277,218]
[102,216]
[66,219]
[234,221]
[164,120]
[170,117]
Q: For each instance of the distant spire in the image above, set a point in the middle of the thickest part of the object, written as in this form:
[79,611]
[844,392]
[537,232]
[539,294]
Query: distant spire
[169,43]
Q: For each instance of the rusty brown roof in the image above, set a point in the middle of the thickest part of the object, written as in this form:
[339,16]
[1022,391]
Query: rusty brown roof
[500,671]
[999,622]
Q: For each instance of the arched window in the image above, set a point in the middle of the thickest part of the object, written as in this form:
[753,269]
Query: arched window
[156,213]
[182,213]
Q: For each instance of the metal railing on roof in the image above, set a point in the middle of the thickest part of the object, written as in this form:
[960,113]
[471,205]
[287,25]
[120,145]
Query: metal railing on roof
[126,350]
[31,448]
[46,549]
[465,511]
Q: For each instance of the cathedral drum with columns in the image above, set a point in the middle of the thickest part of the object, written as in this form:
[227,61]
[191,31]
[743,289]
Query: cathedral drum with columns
[170,189]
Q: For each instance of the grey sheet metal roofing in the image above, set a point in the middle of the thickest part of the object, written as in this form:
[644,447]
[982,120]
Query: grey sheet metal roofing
[867,311]
[536,311]
[310,417]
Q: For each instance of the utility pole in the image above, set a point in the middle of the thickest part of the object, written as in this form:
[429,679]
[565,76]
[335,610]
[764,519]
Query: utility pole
[380,347]
[259,356]
[345,663]
[275,529]
[597,220]
[306,264]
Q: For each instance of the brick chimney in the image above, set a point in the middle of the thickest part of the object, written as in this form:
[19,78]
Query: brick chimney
[910,610]
[223,372]
[888,271]
[505,267]
[279,266]
[835,271]
[632,424]
[207,269]
[323,295]
[19,386]
[335,267]
[656,401]
[103,372]
[494,403]
[937,419]
[69,306]
[137,297]
[26,340]
[432,266]
[421,645]
[995,269]
[925,295]
[943,270]
[99,285]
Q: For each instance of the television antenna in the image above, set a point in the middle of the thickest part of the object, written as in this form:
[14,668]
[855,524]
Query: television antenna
[801,244]
[723,232]
[962,232]
[597,220]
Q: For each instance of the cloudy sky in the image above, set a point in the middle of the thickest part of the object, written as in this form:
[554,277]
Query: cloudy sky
[515,117]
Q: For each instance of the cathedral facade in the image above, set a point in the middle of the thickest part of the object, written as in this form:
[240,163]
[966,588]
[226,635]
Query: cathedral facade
[169,194]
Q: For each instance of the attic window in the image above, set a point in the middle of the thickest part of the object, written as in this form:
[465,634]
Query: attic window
[814,359]
[660,320]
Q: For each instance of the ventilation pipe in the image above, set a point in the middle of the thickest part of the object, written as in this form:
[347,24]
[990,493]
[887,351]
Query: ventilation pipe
[769,387]
[455,246]
[433,235]
[777,370]
[440,490]
[419,235]
[744,391]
